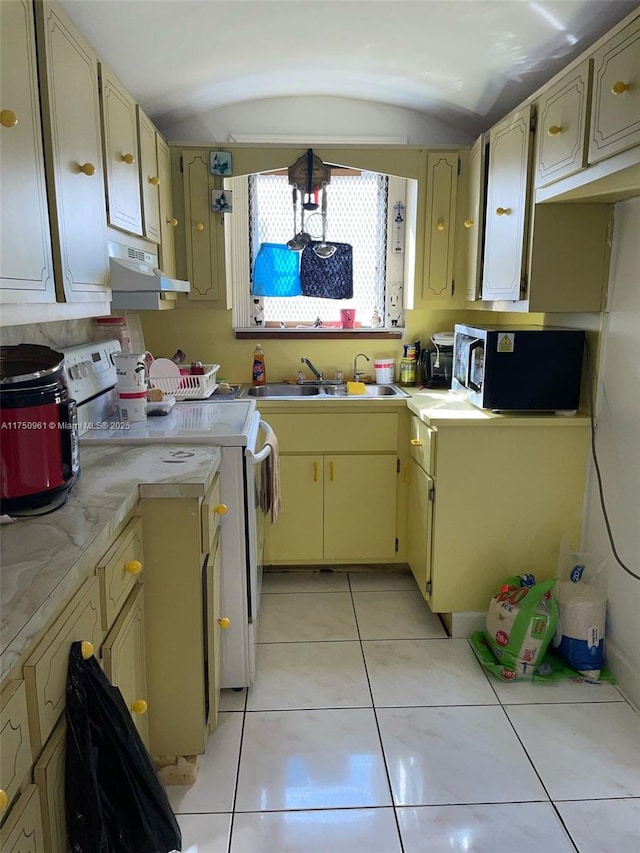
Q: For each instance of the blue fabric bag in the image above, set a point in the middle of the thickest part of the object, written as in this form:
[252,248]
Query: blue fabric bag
[276,271]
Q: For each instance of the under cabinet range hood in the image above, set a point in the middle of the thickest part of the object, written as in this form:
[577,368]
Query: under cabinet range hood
[136,281]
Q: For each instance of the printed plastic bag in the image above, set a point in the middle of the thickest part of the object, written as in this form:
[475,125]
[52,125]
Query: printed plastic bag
[115,802]
[520,622]
[582,610]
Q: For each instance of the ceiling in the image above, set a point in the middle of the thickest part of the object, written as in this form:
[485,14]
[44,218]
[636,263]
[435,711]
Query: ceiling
[464,62]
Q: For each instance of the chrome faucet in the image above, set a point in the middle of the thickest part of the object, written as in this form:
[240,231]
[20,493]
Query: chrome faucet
[316,373]
[358,374]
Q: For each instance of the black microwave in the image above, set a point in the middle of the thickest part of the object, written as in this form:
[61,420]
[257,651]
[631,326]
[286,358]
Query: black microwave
[519,368]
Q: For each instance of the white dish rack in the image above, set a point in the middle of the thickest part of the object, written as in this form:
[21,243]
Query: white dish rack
[187,386]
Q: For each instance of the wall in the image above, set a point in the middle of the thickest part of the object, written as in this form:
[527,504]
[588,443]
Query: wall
[63,333]
[318,117]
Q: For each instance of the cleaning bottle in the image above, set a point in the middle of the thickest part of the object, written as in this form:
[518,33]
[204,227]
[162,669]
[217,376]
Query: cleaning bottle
[259,375]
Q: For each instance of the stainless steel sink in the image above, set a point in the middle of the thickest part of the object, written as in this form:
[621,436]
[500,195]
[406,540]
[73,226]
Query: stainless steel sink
[282,390]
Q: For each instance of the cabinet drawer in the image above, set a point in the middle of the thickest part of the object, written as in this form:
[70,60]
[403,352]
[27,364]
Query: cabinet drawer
[562,126]
[15,748]
[211,511]
[118,571]
[334,433]
[615,117]
[49,777]
[45,671]
[422,445]
[22,832]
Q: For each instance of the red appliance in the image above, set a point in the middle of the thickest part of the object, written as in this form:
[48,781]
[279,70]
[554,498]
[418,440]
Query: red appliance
[39,460]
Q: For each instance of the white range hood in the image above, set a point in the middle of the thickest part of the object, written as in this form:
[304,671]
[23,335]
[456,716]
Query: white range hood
[136,281]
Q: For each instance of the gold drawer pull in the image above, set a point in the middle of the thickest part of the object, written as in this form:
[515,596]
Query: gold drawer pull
[133,567]
[619,88]
[503,211]
[4,800]
[554,130]
[416,442]
[8,118]
[221,509]
[440,225]
[224,622]
[129,159]
[469,223]
[87,649]
[87,169]
[155,180]
[139,706]
[172,222]
[199,226]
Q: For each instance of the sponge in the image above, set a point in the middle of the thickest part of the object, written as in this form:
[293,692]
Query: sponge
[356,388]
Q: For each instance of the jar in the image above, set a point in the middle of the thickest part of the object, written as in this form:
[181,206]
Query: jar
[113,328]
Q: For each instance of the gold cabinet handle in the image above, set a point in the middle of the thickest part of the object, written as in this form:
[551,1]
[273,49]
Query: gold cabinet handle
[172,222]
[128,158]
[139,706]
[133,567]
[554,130]
[619,87]
[440,225]
[87,169]
[87,649]
[315,472]
[199,226]
[4,800]
[155,180]
[331,471]
[503,211]
[416,442]
[8,118]
[221,509]
[468,223]
[224,622]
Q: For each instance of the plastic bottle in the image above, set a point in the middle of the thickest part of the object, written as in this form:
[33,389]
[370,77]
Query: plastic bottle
[259,374]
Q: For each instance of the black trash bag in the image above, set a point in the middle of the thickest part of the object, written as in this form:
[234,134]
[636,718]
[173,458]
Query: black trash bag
[115,802]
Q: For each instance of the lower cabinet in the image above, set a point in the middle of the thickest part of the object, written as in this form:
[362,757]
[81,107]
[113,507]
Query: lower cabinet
[22,832]
[49,774]
[337,506]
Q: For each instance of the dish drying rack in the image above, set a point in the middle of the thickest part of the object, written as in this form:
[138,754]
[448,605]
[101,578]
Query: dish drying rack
[188,386]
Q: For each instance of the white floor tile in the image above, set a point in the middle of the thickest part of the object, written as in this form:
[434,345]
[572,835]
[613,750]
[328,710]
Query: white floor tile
[233,700]
[311,581]
[425,672]
[376,581]
[504,828]
[533,692]
[311,759]
[303,617]
[440,756]
[582,751]
[338,831]
[214,788]
[309,675]
[395,615]
[603,826]
[205,833]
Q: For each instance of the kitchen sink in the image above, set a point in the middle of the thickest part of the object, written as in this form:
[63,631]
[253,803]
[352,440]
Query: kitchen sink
[281,390]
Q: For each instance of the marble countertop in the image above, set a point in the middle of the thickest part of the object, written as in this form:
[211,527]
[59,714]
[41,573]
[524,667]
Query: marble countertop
[44,560]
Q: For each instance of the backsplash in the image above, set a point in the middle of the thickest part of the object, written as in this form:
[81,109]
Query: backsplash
[62,333]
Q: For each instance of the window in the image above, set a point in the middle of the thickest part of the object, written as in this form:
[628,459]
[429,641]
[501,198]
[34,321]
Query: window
[364,210]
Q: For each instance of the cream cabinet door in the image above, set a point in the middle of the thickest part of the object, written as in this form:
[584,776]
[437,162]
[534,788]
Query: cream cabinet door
[360,507]
[473,219]
[204,231]
[49,774]
[15,746]
[298,533]
[124,659]
[215,627]
[507,207]
[563,110]
[168,222]
[22,832]
[26,263]
[420,526]
[149,177]
[615,117]
[73,155]
[442,183]
[120,130]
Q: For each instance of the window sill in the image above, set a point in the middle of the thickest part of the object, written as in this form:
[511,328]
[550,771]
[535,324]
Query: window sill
[309,333]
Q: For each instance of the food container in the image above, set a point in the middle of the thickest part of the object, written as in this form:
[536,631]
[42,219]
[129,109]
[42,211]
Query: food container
[384,368]
[132,402]
[188,387]
[130,369]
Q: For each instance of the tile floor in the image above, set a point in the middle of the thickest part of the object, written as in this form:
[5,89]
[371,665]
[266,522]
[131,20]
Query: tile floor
[368,731]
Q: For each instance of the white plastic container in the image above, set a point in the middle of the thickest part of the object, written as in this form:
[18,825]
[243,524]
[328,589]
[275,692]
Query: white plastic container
[131,369]
[132,402]
[384,368]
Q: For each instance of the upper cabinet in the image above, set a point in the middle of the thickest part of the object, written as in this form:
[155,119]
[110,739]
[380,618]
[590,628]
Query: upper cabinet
[168,221]
[615,119]
[439,234]
[474,216]
[26,263]
[149,177]
[122,170]
[73,156]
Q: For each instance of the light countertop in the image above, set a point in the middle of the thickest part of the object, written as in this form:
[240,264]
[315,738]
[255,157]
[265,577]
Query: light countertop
[44,560]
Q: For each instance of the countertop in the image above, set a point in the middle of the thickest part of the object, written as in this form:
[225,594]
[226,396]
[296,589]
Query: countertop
[44,560]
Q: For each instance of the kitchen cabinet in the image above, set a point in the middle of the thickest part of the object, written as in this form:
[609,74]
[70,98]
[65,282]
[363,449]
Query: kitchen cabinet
[48,773]
[563,112]
[26,261]
[615,115]
[68,69]
[168,221]
[15,746]
[339,478]
[473,222]
[149,177]
[214,629]
[22,832]
[203,230]
[122,168]
[490,501]
[440,218]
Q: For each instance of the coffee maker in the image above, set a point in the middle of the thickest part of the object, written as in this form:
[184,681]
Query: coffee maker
[435,366]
